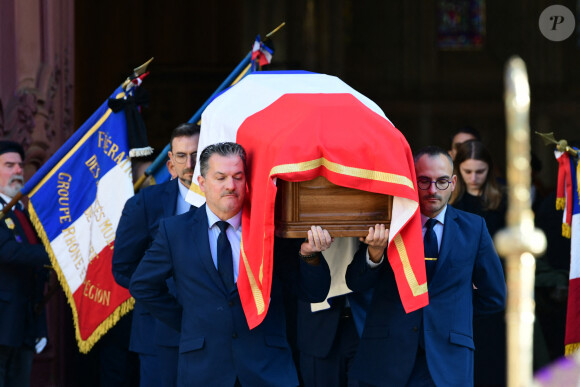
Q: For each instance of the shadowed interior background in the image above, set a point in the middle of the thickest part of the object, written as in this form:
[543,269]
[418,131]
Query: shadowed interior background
[60,59]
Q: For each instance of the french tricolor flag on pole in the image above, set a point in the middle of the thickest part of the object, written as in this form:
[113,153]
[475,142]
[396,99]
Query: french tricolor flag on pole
[75,203]
[568,200]
[261,53]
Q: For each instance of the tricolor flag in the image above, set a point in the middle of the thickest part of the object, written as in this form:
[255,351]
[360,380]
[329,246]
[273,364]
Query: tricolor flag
[75,204]
[297,126]
[567,200]
[261,54]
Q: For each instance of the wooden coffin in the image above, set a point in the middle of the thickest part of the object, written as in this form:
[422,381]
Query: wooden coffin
[342,211]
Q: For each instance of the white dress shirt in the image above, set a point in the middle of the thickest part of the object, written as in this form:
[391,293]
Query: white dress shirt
[182,206]
[438,228]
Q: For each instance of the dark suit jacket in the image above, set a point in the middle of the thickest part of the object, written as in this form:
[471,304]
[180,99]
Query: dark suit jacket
[216,345]
[316,331]
[21,280]
[135,233]
[390,338]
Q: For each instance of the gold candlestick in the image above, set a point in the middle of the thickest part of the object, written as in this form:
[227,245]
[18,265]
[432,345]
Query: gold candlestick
[520,241]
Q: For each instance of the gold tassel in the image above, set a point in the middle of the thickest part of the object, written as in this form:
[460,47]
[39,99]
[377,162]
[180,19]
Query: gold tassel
[560,203]
[571,348]
[566,230]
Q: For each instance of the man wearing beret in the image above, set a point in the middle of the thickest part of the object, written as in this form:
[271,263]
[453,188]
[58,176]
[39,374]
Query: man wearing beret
[22,257]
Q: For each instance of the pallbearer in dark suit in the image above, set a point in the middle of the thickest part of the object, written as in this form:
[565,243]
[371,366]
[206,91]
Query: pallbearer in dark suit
[327,341]
[217,348]
[21,276]
[326,333]
[432,346]
[155,342]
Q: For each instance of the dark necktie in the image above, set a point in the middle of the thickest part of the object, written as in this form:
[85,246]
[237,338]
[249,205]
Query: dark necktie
[431,248]
[224,256]
[25,224]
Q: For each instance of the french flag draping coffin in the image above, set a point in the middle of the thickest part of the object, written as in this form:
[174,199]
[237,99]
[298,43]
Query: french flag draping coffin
[298,126]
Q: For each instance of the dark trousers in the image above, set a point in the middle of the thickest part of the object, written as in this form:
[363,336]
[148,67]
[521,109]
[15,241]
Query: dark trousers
[168,358]
[420,377]
[149,371]
[332,371]
[15,366]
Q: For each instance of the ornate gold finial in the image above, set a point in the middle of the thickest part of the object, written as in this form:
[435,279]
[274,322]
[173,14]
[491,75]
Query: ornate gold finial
[547,138]
[562,145]
[143,68]
[137,72]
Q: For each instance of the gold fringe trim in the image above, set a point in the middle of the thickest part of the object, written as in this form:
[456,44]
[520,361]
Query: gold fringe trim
[416,289]
[256,292]
[343,170]
[560,203]
[571,348]
[84,345]
[566,230]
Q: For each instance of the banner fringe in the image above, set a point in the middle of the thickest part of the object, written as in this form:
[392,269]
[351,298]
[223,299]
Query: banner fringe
[84,345]
[566,230]
[571,348]
[560,203]
[141,152]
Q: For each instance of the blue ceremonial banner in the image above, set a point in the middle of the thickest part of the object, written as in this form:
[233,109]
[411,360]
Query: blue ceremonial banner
[76,200]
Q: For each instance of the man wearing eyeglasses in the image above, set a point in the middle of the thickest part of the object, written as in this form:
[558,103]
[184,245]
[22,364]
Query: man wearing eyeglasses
[432,346]
[156,343]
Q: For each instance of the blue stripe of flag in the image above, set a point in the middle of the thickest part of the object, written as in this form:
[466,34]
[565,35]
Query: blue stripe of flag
[66,191]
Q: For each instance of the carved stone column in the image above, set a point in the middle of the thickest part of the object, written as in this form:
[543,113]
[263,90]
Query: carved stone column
[37,46]
[36,110]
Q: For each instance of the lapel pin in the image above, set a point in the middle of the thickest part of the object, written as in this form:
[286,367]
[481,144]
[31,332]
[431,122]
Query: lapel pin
[9,223]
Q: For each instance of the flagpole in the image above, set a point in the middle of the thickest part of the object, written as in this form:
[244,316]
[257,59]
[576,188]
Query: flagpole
[10,204]
[235,76]
[275,30]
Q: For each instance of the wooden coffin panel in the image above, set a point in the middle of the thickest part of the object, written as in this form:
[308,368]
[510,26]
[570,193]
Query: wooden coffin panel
[342,211]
